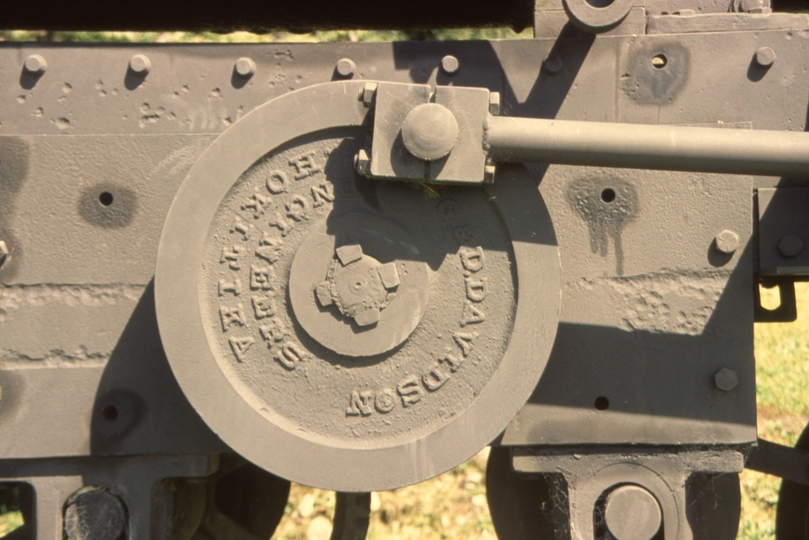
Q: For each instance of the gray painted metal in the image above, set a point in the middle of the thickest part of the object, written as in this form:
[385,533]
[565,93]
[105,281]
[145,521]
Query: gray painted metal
[222,268]
[672,148]
[77,324]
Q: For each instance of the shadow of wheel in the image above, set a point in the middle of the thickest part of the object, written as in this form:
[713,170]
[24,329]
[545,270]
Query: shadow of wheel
[792,512]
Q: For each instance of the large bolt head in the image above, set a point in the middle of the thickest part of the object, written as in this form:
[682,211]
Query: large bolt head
[725,379]
[450,65]
[140,64]
[727,242]
[765,57]
[632,513]
[346,67]
[35,64]
[430,131]
[245,67]
[791,245]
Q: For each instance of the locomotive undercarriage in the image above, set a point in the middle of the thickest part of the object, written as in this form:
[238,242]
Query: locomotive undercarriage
[346,298]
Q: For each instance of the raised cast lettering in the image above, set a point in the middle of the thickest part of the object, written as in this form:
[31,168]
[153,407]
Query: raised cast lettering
[241,227]
[385,400]
[272,331]
[277,182]
[231,256]
[321,194]
[434,379]
[305,165]
[289,356]
[263,306]
[472,314]
[297,207]
[231,317]
[472,259]
[233,287]
[257,204]
[269,248]
[476,289]
[360,403]
[261,278]
[409,390]
[239,346]
[465,340]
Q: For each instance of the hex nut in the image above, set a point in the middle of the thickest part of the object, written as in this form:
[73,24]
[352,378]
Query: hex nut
[3,252]
[362,163]
[367,93]
[727,242]
[450,65]
[725,379]
[488,174]
[765,57]
[245,67]
[345,67]
[790,245]
[35,64]
[140,64]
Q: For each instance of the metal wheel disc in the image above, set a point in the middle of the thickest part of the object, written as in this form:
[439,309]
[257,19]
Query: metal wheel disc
[346,333]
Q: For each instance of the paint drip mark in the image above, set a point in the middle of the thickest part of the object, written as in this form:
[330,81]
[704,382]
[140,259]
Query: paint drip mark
[607,205]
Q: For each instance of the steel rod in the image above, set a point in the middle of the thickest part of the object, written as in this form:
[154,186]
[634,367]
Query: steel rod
[637,146]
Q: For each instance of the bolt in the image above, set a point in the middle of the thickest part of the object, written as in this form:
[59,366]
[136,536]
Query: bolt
[140,64]
[345,67]
[35,64]
[765,56]
[245,67]
[362,163]
[632,513]
[430,131]
[367,94]
[94,512]
[3,252]
[727,242]
[450,65]
[725,379]
[494,103]
[790,245]
[553,65]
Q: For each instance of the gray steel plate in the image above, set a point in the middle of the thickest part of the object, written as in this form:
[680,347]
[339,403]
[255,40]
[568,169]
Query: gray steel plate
[346,333]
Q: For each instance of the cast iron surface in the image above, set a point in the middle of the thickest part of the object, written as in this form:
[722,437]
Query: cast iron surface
[284,400]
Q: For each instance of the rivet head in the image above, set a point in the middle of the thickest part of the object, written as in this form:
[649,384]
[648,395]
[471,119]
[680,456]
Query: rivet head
[765,56]
[553,65]
[35,64]
[140,64]
[727,242]
[245,67]
[725,379]
[345,67]
[450,65]
[430,131]
[790,245]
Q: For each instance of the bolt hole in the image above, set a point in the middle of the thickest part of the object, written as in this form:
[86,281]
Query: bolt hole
[659,61]
[600,3]
[110,412]
[105,198]
[602,403]
[608,195]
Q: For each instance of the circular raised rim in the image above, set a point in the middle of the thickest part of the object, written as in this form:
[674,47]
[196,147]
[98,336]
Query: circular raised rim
[598,19]
[247,430]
